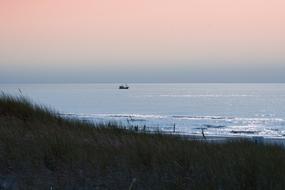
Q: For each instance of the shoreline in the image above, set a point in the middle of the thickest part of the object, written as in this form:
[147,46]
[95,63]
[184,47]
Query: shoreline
[280,141]
[221,139]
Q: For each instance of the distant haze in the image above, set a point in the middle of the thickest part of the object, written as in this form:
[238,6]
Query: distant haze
[55,41]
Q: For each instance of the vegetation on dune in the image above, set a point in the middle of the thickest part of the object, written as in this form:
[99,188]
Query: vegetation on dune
[41,150]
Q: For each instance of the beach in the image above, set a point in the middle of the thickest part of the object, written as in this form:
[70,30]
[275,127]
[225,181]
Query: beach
[42,150]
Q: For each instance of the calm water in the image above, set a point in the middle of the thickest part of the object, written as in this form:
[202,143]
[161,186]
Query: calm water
[222,109]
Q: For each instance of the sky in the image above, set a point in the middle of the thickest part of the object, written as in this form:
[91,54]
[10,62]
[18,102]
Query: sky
[70,41]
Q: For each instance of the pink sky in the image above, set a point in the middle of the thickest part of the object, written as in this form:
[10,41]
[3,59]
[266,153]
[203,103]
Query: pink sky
[121,32]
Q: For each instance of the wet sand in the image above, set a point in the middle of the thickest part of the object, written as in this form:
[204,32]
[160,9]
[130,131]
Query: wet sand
[221,139]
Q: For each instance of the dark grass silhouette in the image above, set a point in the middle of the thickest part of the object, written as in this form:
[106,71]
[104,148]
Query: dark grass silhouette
[41,150]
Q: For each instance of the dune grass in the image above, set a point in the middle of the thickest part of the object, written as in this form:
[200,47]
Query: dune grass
[41,150]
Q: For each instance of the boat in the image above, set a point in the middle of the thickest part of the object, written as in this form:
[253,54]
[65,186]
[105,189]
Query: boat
[124,87]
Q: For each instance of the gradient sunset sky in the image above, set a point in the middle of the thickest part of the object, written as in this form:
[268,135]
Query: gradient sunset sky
[142,41]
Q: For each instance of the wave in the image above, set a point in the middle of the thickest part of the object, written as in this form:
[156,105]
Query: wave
[202,95]
[179,117]
[126,116]
[202,117]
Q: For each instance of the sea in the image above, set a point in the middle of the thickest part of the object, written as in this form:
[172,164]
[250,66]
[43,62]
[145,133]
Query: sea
[216,109]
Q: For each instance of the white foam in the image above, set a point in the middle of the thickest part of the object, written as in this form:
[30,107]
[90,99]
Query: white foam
[201,95]
[222,125]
